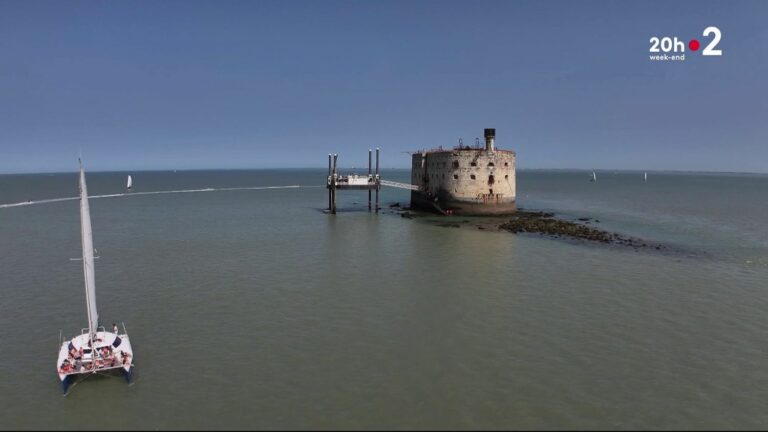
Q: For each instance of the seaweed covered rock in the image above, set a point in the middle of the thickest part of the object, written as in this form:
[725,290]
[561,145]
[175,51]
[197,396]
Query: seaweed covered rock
[546,224]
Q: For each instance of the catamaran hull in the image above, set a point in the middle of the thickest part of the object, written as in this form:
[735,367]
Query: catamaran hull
[67,380]
[127,375]
[65,383]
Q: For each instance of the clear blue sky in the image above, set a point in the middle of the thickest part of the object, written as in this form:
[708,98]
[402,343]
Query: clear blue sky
[255,84]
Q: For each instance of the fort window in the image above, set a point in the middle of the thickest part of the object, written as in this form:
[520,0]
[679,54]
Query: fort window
[472,176]
[455,176]
[455,164]
[490,179]
[490,164]
[474,164]
[506,163]
[506,177]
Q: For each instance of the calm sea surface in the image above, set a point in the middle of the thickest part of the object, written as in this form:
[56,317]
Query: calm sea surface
[254,309]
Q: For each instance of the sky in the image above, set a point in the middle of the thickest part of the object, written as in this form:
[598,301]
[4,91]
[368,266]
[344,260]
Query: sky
[143,85]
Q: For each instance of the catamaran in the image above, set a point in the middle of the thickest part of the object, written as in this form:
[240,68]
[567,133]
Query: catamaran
[95,350]
[129,186]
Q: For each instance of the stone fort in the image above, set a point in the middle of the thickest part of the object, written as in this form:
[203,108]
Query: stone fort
[471,181]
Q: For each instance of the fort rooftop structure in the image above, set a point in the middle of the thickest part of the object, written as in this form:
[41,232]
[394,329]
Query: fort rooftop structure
[471,181]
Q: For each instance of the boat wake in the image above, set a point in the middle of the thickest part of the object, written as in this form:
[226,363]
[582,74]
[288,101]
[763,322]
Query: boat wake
[54,200]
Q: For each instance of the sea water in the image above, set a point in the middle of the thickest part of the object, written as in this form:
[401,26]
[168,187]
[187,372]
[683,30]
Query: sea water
[256,309]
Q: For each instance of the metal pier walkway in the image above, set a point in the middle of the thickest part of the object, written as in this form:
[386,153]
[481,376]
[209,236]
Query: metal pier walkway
[398,185]
[371,182]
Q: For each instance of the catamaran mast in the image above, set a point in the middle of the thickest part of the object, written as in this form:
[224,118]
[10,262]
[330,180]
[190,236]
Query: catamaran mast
[88,267]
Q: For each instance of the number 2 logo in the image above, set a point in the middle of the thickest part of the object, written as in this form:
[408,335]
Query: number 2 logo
[710,49]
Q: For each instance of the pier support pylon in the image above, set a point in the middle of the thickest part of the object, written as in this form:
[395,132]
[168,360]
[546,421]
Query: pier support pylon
[369,175]
[378,183]
[332,180]
[330,207]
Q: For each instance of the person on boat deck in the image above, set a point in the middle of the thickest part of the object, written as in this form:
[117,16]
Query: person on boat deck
[96,339]
[114,328]
[66,367]
[125,357]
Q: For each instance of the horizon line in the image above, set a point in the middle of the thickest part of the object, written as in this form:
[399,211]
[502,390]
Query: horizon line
[388,168]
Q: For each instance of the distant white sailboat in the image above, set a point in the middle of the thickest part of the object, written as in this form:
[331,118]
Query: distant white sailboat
[95,350]
[645,176]
[594,177]
[129,185]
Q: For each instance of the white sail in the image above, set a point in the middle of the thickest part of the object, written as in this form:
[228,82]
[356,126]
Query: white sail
[130,182]
[594,176]
[645,177]
[88,269]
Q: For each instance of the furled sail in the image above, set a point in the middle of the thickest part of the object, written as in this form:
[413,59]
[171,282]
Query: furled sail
[88,270]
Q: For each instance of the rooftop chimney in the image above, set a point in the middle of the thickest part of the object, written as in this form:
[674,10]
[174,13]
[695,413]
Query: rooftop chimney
[490,137]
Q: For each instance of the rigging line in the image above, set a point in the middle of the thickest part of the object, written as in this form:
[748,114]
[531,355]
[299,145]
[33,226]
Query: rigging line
[107,374]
